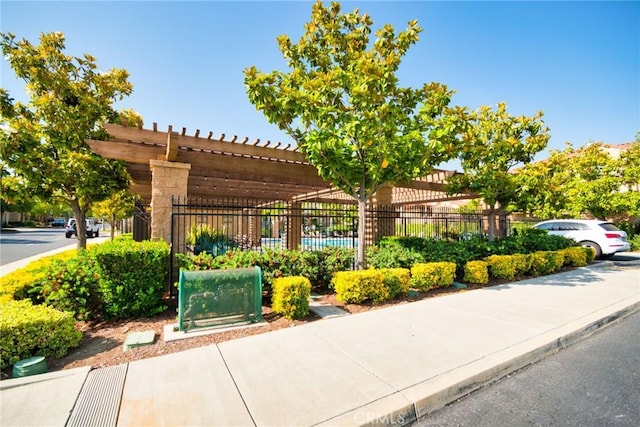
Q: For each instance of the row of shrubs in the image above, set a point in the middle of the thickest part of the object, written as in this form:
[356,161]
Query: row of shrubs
[290,296]
[115,280]
[407,251]
[318,266]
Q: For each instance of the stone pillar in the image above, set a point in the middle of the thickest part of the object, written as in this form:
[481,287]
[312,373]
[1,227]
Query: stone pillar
[168,179]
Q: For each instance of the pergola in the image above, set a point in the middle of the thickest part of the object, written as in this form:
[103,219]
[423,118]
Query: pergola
[169,163]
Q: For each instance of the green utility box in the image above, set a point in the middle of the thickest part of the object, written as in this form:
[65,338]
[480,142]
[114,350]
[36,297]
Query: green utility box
[209,298]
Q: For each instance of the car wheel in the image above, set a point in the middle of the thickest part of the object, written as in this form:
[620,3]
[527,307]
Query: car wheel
[89,234]
[97,233]
[68,234]
[594,246]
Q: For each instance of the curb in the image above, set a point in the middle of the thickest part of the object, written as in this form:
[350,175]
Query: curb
[415,403]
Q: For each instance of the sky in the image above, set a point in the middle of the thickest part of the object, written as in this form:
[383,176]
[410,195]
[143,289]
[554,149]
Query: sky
[577,62]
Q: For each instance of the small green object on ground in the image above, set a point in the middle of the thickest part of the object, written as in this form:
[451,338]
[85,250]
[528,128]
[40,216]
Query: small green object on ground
[138,339]
[458,285]
[31,366]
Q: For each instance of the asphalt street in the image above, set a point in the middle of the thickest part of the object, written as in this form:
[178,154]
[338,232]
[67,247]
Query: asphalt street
[595,382]
[17,244]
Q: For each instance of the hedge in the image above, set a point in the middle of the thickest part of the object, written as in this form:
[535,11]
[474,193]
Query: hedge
[28,330]
[425,276]
[360,286]
[291,296]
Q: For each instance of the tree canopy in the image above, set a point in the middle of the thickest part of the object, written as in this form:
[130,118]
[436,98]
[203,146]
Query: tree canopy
[342,103]
[43,141]
[494,143]
[589,180]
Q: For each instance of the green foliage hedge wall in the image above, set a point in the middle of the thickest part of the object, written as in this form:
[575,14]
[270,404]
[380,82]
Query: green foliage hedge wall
[133,277]
[28,330]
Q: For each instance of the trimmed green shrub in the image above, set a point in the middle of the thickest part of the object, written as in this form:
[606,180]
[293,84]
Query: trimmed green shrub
[133,277]
[425,276]
[27,330]
[396,280]
[501,266]
[291,296]
[392,256]
[575,256]
[590,253]
[359,286]
[476,272]
[72,285]
[557,260]
[545,262]
[521,264]
[18,284]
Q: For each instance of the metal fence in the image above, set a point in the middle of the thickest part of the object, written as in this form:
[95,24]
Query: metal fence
[216,225]
[257,224]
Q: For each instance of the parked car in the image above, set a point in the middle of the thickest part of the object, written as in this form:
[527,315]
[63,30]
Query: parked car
[92,228]
[59,222]
[604,237]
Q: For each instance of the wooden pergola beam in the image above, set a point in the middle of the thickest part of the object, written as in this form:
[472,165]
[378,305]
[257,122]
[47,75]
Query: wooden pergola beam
[228,168]
[128,151]
[123,133]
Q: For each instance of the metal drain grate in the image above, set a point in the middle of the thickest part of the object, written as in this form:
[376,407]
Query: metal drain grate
[99,400]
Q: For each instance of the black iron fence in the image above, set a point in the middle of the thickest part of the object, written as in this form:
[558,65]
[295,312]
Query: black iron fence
[214,225]
[217,225]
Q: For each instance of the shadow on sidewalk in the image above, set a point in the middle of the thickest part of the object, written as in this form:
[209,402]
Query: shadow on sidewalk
[576,277]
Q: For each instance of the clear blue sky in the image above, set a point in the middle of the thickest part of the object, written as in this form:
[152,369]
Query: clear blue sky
[578,62]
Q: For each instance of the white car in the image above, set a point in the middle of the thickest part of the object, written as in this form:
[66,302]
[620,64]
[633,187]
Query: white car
[92,227]
[604,237]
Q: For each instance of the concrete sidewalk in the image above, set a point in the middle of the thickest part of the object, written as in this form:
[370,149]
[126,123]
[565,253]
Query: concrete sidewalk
[389,366]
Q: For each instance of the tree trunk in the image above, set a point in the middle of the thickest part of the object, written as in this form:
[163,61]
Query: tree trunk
[362,225]
[81,227]
[492,222]
[112,226]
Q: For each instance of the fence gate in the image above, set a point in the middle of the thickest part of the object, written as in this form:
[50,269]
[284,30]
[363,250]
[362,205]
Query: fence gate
[141,223]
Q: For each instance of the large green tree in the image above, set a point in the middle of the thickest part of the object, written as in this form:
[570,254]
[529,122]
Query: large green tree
[542,186]
[494,143]
[589,180]
[43,140]
[342,103]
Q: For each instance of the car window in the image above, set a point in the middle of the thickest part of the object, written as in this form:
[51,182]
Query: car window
[547,226]
[609,227]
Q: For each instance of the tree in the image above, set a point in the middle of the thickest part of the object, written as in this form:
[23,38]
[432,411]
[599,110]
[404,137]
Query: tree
[43,141]
[12,195]
[495,142]
[342,104]
[542,186]
[594,182]
[571,183]
[118,206]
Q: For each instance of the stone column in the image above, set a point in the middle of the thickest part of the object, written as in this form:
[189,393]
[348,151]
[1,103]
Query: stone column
[168,179]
